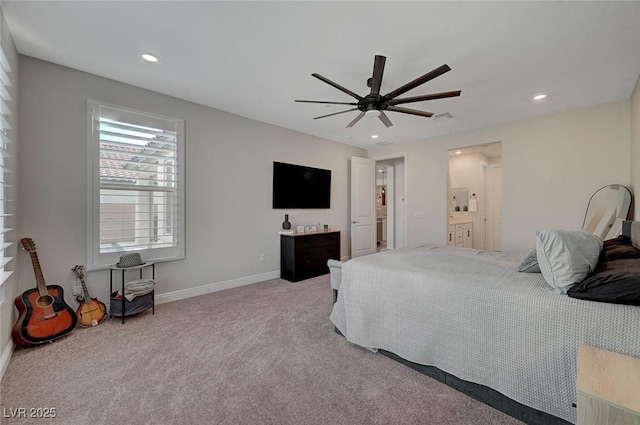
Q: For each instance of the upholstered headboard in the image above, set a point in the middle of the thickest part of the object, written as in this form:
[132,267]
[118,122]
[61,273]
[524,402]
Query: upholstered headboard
[632,229]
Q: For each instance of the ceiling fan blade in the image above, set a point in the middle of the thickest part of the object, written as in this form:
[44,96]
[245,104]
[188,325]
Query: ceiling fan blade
[335,113]
[355,120]
[434,96]
[409,111]
[378,70]
[326,102]
[418,81]
[336,85]
[385,119]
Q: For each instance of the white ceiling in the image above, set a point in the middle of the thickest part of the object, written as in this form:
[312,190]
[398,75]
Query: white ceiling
[254,58]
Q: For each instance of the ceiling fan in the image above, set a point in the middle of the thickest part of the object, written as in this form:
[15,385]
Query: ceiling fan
[376,104]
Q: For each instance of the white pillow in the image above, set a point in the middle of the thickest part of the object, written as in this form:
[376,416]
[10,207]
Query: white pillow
[566,257]
[529,263]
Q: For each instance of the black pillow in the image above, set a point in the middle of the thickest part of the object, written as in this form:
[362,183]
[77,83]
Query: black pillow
[619,240]
[618,248]
[613,281]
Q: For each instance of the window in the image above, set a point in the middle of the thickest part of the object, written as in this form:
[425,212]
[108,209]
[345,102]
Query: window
[6,163]
[136,199]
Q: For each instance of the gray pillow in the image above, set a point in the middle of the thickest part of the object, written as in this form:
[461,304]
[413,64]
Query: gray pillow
[529,263]
[566,257]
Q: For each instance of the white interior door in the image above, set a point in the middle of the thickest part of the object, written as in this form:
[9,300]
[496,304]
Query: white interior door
[363,206]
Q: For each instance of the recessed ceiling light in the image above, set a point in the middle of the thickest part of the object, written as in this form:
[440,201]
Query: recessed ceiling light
[374,136]
[347,137]
[539,96]
[458,152]
[150,58]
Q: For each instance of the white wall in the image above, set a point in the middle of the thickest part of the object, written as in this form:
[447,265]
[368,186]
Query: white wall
[635,147]
[550,168]
[229,160]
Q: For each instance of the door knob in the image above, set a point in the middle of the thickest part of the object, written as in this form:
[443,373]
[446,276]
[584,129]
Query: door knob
[355,221]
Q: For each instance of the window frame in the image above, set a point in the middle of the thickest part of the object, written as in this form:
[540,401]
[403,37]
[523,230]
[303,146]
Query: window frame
[94,259]
[7,167]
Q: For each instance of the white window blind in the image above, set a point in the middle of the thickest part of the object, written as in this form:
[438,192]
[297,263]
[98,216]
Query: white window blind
[137,200]
[7,238]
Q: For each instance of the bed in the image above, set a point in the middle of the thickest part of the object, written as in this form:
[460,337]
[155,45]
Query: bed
[471,319]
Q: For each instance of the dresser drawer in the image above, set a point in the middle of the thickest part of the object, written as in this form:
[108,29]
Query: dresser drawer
[317,239]
[305,256]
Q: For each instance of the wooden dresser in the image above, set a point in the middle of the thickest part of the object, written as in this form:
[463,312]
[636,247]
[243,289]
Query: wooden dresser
[305,255]
[608,387]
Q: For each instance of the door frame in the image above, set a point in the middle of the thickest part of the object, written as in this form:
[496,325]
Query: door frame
[391,210]
[486,211]
[396,219]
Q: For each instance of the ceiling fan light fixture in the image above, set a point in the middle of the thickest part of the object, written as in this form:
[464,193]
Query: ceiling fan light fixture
[372,113]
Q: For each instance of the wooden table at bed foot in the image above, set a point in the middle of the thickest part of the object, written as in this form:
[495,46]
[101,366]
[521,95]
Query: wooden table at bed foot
[608,387]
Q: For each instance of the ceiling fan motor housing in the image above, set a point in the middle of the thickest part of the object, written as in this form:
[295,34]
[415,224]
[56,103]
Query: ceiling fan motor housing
[372,102]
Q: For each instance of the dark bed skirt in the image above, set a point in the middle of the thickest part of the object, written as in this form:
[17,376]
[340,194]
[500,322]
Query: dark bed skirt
[481,393]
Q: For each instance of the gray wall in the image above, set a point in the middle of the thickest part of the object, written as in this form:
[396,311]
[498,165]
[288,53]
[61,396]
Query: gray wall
[229,159]
[550,168]
[635,145]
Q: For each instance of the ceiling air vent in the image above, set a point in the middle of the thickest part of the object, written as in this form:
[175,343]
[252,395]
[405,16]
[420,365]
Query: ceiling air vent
[385,143]
[443,116]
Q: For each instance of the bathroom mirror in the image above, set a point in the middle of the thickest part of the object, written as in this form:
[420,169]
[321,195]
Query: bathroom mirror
[381,195]
[459,199]
[606,210]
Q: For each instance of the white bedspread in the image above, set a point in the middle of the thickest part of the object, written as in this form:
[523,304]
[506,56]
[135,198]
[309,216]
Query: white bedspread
[472,314]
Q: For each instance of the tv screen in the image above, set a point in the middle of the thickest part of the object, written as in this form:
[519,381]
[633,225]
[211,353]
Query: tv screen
[297,186]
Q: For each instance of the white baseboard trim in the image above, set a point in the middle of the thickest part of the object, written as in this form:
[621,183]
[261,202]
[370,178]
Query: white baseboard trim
[6,357]
[214,287]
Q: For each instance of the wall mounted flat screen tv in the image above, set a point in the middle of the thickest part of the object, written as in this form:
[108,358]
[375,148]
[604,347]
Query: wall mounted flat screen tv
[297,186]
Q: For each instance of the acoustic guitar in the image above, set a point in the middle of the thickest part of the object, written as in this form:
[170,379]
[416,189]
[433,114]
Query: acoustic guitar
[42,313]
[91,312]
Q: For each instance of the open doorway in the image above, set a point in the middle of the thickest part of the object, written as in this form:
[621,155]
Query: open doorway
[475,197]
[391,222]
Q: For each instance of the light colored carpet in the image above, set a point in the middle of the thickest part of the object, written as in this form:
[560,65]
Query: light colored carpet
[260,354]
